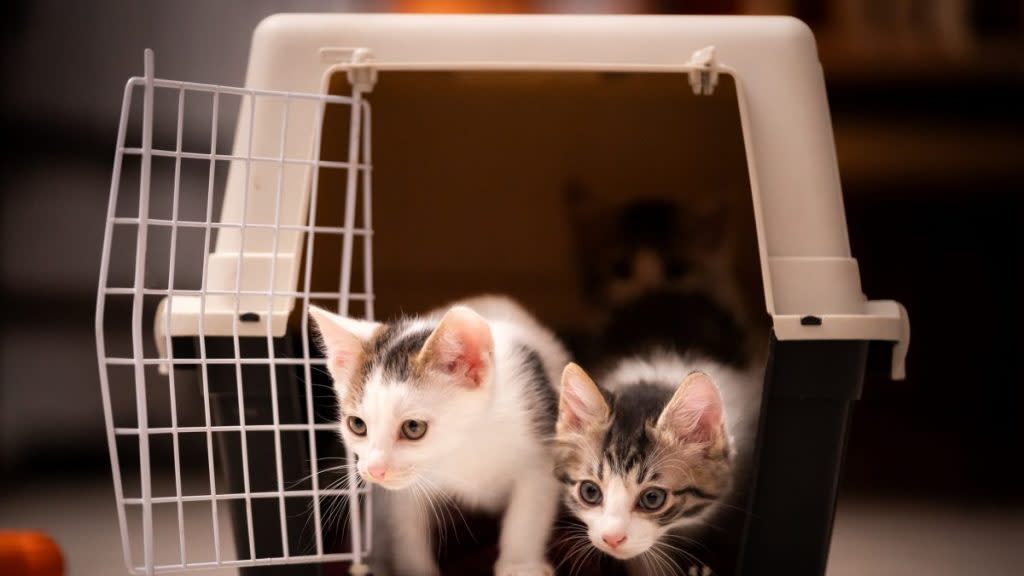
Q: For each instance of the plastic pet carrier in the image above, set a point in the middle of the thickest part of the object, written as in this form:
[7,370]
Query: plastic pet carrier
[219,414]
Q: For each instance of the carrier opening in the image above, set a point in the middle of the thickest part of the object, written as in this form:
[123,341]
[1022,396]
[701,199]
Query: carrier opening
[573,191]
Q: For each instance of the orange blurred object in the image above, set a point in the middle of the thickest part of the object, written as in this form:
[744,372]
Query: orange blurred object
[29,554]
[465,6]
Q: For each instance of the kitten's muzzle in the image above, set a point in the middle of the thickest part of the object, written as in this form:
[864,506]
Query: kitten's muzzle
[613,540]
[617,546]
[388,478]
[377,472]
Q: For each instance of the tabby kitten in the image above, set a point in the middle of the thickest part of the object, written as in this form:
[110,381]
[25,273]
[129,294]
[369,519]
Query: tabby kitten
[651,451]
[459,406]
[673,269]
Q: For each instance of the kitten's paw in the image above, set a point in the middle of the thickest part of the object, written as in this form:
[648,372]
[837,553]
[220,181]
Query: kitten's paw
[531,569]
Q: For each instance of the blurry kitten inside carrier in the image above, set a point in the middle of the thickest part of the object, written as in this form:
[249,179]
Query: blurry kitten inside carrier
[658,269]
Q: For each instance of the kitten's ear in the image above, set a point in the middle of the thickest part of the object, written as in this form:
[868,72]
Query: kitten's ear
[581,406]
[695,412]
[341,340]
[460,346]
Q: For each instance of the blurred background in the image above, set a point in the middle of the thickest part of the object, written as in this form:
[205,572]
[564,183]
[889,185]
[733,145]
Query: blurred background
[926,100]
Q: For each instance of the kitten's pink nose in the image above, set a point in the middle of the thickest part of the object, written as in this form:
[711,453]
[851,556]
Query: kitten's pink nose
[377,471]
[614,539]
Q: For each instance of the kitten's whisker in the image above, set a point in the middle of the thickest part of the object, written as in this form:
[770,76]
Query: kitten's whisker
[440,500]
[579,561]
[581,548]
[591,551]
[652,561]
[442,532]
[656,562]
[442,529]
[669,561]
[298,481]
[684,540]
[568,553]
[708,523]
[450,502]
[337,505]
[646,563]
[660,549]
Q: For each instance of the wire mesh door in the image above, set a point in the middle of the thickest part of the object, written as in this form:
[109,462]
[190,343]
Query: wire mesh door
[219,414]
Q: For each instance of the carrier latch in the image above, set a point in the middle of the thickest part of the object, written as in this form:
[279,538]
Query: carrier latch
[704,75]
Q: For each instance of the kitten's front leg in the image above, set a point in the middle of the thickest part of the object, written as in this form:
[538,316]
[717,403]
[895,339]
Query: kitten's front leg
[411,531]
[527,525]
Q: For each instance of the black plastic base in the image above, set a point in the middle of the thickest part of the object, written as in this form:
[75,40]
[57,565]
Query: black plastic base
[262,459]
[810,388]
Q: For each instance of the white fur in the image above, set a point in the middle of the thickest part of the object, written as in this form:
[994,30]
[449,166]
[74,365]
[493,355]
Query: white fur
[479,449]
[615,516]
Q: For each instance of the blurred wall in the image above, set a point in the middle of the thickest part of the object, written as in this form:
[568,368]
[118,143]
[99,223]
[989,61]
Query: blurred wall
[64,69]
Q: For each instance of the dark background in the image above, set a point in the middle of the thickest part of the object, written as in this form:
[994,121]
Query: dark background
[927,117]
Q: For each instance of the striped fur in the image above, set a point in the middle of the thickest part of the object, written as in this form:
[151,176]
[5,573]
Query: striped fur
[635,448]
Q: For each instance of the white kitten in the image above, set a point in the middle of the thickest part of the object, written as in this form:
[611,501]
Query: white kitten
[461,402]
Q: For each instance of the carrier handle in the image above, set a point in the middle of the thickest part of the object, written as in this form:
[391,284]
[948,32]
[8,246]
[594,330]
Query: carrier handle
[702,68]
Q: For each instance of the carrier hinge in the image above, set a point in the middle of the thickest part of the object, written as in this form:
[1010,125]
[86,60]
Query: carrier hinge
[362,75]
[704,75]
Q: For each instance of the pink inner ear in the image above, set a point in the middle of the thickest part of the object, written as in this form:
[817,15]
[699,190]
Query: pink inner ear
[695,413]
[342,360]
[469,365]
[462,344]
[569,408]
[341,340]
[581,404]
[573,409]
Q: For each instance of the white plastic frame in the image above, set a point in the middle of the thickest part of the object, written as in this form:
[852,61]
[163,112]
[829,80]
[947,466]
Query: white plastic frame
[806,265]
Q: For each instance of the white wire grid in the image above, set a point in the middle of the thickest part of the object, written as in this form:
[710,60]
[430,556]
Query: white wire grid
[189,499]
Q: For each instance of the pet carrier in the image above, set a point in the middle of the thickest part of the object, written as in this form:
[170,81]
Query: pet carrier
[218,251]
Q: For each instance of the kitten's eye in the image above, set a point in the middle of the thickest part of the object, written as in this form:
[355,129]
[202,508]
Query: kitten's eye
[357,426]
[590,493]
[414,429]
[652,499]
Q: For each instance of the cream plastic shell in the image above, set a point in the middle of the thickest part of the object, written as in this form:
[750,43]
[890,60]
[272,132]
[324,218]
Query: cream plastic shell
[804,248]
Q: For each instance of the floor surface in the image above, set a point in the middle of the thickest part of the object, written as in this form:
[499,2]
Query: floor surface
[879,537]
